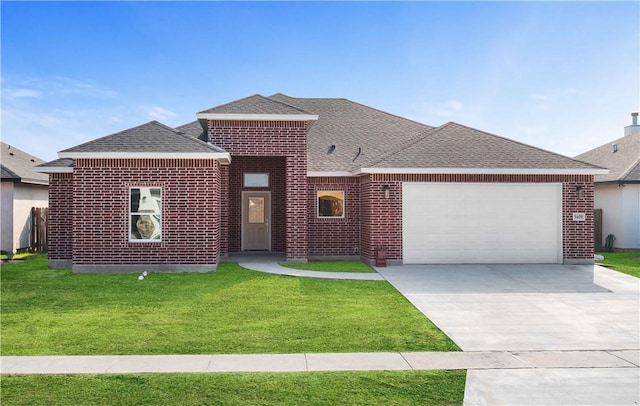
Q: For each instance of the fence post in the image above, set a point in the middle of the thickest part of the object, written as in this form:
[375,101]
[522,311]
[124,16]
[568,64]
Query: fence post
[39,217]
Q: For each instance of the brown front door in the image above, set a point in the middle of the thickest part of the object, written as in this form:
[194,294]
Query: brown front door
[256,221]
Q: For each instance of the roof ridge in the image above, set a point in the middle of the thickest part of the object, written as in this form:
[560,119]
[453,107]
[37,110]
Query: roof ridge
[409,143]
[12,173]
[253,96]
[524,145]
[112,134]
[631,167]
[286,104]
[197,140]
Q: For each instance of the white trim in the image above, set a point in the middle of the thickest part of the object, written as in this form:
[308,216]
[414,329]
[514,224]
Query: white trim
[222,156]
[257,117]
[139,213]
[54,169]
[482,171]
[319,174]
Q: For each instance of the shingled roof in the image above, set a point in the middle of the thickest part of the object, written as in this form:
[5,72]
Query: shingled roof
[453,145]
[256,104]
[150,138]
[623,164]
[361,134]
[18,166]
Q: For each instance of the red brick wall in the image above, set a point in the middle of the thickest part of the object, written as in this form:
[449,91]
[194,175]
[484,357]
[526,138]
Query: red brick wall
[277,139]
[334,236]
[382,218]
[190,211]
[578,240]
[224,211]
[60,222]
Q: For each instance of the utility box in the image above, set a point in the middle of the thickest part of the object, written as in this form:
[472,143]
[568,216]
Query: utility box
[381,256]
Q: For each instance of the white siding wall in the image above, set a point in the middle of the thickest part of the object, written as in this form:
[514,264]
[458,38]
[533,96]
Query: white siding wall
[631,210]
[6,216]
[26,196]
[620,214]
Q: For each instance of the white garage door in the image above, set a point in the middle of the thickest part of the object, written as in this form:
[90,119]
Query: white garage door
[453,223]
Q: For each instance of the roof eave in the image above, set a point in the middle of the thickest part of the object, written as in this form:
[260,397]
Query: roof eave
[482,171]
[54,169]
[257,117]
[223,157]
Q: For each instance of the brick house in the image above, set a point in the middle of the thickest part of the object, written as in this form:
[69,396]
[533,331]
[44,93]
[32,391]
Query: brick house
[313,178]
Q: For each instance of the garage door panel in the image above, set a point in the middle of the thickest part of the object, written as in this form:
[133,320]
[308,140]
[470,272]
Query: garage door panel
[481,223]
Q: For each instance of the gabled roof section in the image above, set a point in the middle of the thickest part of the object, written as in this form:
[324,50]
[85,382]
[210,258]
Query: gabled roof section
[150,140]
[623,165]
[193,129]
[360,134]
[60,165]
[18,166]
[455,148]
[256,107]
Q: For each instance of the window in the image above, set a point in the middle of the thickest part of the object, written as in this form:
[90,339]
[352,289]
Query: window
[331,204]
[256,180]
[145,214]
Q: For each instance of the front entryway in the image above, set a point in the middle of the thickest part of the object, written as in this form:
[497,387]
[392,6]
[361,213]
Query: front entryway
[256,221]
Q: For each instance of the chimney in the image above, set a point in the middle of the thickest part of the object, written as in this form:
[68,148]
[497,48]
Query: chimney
[634,128]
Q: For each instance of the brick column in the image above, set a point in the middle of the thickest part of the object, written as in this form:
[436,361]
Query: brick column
[224,211]
[296,208]
[60,222]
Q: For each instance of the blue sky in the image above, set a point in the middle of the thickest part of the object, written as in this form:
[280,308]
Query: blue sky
[563,76]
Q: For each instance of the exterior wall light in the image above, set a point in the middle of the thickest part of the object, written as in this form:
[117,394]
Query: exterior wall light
[580,191]
[386,189]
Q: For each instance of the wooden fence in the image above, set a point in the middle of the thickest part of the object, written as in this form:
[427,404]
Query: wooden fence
[597,229]
[39,216]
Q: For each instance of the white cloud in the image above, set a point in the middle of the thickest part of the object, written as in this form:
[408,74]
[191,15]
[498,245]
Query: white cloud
[539,97]
[158,113]
[446,109]
[82,88]
[23,94]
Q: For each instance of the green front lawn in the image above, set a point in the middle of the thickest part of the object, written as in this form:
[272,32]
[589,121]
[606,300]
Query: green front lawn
[232,310]
[627,262]
[330,266]
[334,388]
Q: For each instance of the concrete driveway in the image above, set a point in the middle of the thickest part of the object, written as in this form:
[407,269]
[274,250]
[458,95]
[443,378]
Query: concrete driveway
[532,308]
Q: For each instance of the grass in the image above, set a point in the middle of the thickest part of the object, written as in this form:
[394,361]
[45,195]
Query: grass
[626,262]
[330,266]
[232,310]
[353,388]
[17,256]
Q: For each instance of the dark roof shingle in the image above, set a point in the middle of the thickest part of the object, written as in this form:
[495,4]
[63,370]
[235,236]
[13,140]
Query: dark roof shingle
[623,165]
[152,137]
[361,134]
[18,166]
[256,104]
[457,146]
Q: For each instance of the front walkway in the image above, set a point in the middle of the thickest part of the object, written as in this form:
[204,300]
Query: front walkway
[277,269]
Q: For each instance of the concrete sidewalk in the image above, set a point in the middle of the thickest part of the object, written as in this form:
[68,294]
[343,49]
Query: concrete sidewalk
[311,362]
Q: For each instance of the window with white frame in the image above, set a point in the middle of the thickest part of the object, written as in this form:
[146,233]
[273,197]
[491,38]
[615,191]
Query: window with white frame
[331,203]
[145,214]
[256,180]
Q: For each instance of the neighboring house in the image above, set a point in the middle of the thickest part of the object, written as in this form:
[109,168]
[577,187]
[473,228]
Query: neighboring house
[618,193]
[313,178]
[22,189]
